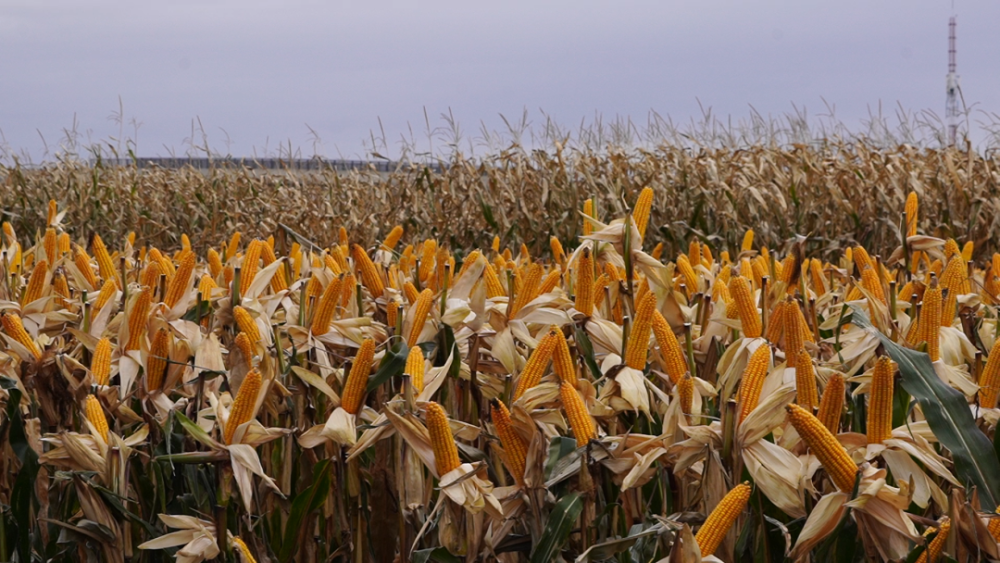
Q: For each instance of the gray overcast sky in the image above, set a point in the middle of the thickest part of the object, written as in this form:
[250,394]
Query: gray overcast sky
[260,71]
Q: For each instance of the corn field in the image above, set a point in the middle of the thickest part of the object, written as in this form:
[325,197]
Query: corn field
[754,355]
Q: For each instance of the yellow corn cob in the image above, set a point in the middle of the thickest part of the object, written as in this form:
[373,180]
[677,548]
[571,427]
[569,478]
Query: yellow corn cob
[950,249]
[794,337]
[685,393]
[870,281]
[642,291]
[588,210]
[753,380]
[244,550]
[92,410]
[104,263]
[785,270]
[880,401]
[63,243]
[246,324]
[151,275]
[911,208]
[930,321]
[862,259]
[967,251]
[585,284]
[706,256]
[818,281]
[326,308]
[36,283]
[550,282]
[562,361]
[807,395]
[576,411]
[131,238]
[392,239]
[185,242]
[442,440]
[330,262]
[528,290]
[8,231]
[558,255]
[824,445]
[657,252]
[392,313]
[747,241]
[50,245]
[759,269]
[100,363]
[53,211]
[243,405]
[415,368]
[832,404]
[243,344]
[214,263]
[994,526]
[514,446]
[205,286]
[278,281]
[296,256]
[82,261]
[493,286]
[934,549]
[525,256]
[156,361]
[640,214]
[989,381]
[13,328]
[720,292]
[138,319]
[181,281]
[357,379]
[469,260]
[166,266]
[411,293]
[536,364]
[689,276]
[232,247]
[347,289]
[776,323]
[369,275]
[427,259]
[108,290]
[61,288]
[338,254]
[739,287]
[423,306]
[638,341]
[694,252]
[721,519]
[251,262]
[670,348]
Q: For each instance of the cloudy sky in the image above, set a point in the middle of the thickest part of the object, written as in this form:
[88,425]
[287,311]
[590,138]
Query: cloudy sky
[321,76]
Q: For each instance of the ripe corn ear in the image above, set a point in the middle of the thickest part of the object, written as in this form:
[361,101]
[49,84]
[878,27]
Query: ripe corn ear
[95,415]
[721,519]
[243,405]
[830,453]
[879,424]
[357,379]
[576,411]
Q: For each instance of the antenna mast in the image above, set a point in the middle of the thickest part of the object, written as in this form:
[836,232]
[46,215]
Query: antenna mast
[952,88]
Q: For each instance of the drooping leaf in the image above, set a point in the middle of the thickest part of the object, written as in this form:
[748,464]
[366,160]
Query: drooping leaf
[947,414]
[392,365]
[561,521]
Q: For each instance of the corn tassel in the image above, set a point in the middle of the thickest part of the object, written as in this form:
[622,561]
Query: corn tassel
[514,446]
[415,368]
[753,380]
[830,453]
[100,363]
[357,379]
[534,368]
[243,405]
[721,519]
[879,423]
[739,287]
[576,411]
[13,328]
[422,308]
[95,415]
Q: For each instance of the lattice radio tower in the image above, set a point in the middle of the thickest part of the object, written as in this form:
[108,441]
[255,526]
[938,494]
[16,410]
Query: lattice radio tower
[953,90]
